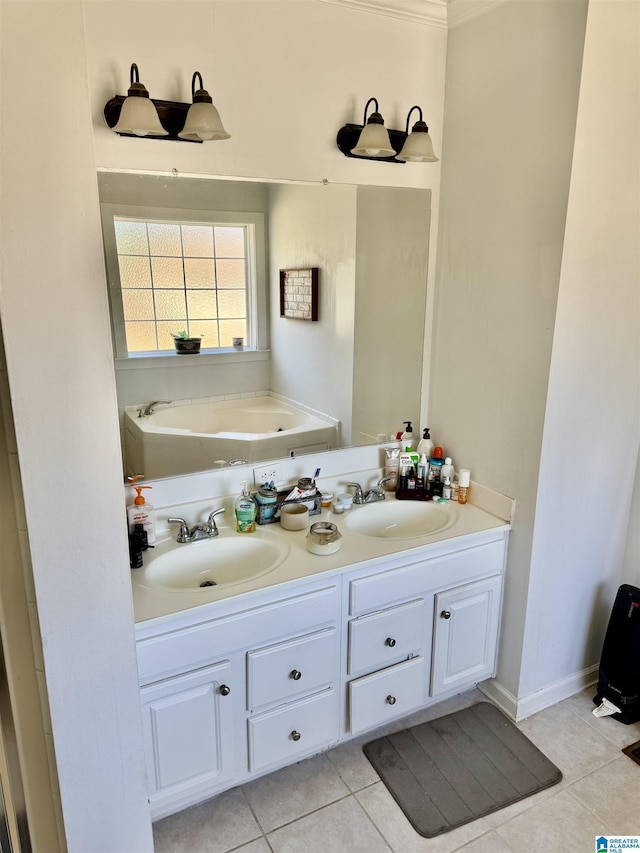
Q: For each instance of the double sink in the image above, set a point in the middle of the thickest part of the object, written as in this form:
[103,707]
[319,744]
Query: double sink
[230,559]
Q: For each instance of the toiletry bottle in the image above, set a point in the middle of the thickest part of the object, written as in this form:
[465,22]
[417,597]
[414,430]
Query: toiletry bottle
[447,469]
[392,467]
[446,488]
[246,510]
[423,470]
[464,478]
[435,472]
[142,513]
[407,436]
[425,445]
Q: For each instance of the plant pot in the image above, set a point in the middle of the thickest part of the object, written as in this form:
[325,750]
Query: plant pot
[187,346]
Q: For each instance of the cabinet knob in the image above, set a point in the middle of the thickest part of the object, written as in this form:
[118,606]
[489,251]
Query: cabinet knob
[390,642]
[446,614]
[295,674]
[391,699]
[295,735]
[224,689]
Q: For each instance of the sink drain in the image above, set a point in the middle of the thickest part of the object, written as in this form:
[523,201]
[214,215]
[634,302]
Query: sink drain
[208,583]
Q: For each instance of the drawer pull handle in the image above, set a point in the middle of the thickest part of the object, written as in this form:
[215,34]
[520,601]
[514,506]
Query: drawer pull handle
[391,699]
[295,674]
[390,642]
[446,614]
[295,735]
[224,690]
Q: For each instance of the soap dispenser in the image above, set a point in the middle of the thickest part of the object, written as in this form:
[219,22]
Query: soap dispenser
[246,510]
[425,445]
[140,512]
[407,436]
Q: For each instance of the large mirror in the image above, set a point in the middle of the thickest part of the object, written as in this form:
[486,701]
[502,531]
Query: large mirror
[349,377]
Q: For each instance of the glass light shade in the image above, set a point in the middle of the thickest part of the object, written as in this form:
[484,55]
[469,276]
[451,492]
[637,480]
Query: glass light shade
[203,123]
[140,117]
[418,148]
[374,142]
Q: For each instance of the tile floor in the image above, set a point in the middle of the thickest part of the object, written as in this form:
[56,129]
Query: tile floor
[336,803]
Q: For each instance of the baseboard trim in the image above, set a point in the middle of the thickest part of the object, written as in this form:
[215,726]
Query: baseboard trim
[518,708]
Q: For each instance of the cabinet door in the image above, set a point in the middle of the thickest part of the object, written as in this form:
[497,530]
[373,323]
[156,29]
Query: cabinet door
[188,733]
[465,634]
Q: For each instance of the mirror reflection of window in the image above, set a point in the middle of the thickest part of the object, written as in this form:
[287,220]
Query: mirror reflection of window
[179,276]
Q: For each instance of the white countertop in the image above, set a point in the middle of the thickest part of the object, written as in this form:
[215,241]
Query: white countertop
[470,521]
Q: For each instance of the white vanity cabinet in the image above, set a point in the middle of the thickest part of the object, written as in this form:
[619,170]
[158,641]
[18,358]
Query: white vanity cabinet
[465,634]
[237,688]
[188,726]
[439,637]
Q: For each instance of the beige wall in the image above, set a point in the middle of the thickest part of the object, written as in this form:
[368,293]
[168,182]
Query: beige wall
[513,77]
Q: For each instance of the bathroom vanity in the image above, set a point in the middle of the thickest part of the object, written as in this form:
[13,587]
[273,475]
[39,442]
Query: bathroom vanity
[241,679]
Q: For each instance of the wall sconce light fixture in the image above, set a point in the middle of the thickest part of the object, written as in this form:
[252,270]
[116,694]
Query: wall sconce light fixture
[372,141]
[140,115]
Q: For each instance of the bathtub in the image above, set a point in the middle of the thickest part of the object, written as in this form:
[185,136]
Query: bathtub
[195,437]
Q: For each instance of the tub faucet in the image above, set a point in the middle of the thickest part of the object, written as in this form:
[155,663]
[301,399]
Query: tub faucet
[148,410]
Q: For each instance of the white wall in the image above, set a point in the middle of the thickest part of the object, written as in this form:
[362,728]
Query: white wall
[512,88]
[594,383]
[631,564]
[59,365]
[311,362]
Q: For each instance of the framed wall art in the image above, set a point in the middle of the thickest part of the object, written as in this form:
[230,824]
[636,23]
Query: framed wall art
[299,293]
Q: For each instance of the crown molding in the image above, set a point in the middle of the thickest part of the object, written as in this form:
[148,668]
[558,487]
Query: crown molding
[461,11]
[431,12]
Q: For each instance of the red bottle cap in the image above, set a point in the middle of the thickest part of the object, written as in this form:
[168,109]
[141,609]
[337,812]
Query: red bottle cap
[437,453]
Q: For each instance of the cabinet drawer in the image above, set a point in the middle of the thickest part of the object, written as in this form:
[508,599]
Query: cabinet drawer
[176,651]
[387,694]
[292,730]
[287,670]
[386,636]
[376,591]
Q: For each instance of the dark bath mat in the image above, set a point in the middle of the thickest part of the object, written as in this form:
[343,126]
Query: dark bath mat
[460,767]
[633,751]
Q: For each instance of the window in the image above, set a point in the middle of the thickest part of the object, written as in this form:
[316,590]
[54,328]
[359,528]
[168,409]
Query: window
[176,273]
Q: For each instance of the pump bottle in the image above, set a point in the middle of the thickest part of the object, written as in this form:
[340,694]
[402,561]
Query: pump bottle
[425,445]
[142,513]
[246,510]
[407,436]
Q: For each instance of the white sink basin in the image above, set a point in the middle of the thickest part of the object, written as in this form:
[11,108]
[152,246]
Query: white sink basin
[210,563]
[392,519]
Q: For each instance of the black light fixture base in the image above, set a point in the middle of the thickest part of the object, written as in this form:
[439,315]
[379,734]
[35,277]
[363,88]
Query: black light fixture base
[348,136]
[172,115]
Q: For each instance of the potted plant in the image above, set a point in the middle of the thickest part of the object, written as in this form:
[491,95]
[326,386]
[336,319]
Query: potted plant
[186,344]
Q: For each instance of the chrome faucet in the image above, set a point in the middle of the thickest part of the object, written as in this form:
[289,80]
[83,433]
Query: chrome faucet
[202,530]
[358,497]
[377,493]
[148,410]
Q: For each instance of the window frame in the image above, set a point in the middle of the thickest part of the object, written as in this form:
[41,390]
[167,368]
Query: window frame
[257,304]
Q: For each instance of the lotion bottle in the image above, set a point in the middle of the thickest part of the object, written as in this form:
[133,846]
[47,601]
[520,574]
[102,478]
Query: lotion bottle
[142,513]
[425,445]
[407,436]
[246,510]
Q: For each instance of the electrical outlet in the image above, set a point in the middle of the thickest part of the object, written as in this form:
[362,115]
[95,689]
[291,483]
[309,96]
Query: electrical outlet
[271,473]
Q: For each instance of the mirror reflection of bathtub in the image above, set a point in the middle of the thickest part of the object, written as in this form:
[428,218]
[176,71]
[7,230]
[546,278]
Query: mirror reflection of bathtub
[178,439]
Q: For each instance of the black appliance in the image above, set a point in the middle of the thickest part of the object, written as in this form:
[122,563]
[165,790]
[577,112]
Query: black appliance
[619,674]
